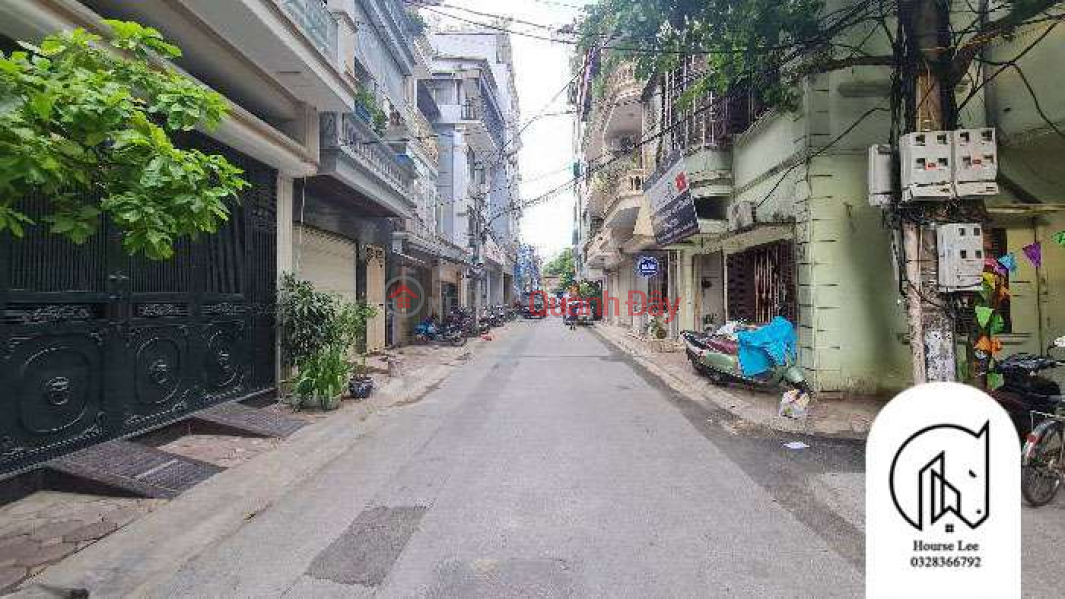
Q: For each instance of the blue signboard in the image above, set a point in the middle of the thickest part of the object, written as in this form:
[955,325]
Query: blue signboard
[647,266]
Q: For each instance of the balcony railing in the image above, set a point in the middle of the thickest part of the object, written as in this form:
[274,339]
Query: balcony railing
[480,111]
[356,137]
[421,133]
[317,23]
[620,82]
[627,183]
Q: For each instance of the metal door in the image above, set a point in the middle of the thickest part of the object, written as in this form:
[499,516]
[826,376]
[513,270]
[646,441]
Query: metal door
[96,345]
[375,296]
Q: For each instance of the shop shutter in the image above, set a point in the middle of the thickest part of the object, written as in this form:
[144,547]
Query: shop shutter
[326,260]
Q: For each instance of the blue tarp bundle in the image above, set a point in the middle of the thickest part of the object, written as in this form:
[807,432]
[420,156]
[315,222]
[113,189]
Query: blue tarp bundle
[763,348]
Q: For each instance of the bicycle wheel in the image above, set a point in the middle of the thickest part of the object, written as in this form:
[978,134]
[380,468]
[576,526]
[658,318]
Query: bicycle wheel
[1040,464]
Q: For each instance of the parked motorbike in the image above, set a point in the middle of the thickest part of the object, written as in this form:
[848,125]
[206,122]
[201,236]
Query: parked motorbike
[497,316]
[430,331]
[462,319]
[717,357]
[1024,390]
[1043,455]
[484,321]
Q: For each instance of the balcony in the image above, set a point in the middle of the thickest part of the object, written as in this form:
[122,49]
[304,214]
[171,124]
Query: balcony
[626,196]
[486,125]
[294,43]
[621,103]
[602,251]
[422,134]
[355,155]
[316,22]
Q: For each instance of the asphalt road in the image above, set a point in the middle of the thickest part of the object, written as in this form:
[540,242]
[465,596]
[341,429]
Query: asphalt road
[551,465]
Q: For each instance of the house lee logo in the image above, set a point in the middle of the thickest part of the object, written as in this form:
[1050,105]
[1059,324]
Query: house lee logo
[943,497]
[943,470]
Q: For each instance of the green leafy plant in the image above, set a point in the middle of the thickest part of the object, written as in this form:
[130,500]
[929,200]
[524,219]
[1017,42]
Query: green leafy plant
[768,46]
[87,127]
[416,22]
[322,378]
[319,332]
[305,316]
[563,267]
[656,328]
[368,102]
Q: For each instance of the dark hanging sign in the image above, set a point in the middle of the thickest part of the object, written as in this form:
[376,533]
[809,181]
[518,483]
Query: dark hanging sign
[673,209]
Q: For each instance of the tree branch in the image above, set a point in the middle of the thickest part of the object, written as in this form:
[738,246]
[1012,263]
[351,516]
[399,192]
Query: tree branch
[827,66]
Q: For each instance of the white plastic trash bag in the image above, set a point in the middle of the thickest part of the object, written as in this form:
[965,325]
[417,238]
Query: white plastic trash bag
[794,404]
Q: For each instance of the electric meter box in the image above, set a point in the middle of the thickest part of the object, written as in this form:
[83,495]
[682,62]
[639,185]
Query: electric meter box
[961,256]
[925,159]
[975,162]
[881,178]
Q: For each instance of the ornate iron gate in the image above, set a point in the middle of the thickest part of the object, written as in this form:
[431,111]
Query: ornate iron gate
[96,345]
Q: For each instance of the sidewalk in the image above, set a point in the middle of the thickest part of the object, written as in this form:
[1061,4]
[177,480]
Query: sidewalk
[844,418]
[45,537]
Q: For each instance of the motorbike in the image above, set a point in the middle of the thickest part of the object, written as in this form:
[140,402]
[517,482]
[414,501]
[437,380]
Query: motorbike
[534,309]
[497,316]
[717,358]
[1043,454]
[578,311]
[462,319]
[1024,390]
[429,331]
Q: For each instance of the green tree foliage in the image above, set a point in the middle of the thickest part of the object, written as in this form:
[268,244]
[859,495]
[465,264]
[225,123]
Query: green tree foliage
[562,266]
[86,125]
[751,42]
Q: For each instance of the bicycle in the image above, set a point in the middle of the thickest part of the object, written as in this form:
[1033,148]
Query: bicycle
[1043,455]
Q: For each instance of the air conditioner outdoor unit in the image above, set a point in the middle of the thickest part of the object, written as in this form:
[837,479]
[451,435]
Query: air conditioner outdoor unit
[741,215]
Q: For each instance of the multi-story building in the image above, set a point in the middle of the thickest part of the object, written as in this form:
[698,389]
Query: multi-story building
[785,224]
[346,153]
[472,81]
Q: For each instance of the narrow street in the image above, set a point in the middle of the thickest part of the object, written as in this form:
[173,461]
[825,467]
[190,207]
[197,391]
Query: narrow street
[550,465]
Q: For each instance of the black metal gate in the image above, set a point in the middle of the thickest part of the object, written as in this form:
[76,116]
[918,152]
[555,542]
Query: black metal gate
[96,345]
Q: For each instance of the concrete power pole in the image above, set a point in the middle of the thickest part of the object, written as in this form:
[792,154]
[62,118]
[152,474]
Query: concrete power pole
[478,258]
[931,327]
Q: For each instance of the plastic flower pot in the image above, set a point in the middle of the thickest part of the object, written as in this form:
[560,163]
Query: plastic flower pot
[360,388]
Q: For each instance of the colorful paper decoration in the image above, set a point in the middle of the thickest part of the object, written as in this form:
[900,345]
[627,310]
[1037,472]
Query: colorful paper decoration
[1059,238]
[994,380]
[998,324]
[983,316]
[993,265]
[1009,262]
[989,345]
[1034,252]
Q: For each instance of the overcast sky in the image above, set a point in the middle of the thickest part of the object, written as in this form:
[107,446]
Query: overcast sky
[547,153]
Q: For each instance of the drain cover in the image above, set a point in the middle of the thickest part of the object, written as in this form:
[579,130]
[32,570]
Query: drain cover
[135,469]
[248,420]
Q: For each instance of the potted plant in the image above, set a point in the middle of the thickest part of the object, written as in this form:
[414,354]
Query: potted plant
[357,315]
[321,379]
[367,109]
[656,328]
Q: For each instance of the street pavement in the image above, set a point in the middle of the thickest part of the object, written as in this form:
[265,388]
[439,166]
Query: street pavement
[550,464]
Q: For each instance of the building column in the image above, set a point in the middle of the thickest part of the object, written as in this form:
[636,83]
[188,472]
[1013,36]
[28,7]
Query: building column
[284,225]
[283,244]
[687,289]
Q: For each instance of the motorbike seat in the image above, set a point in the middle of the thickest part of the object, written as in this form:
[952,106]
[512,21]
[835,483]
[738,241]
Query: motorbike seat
[723,345]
